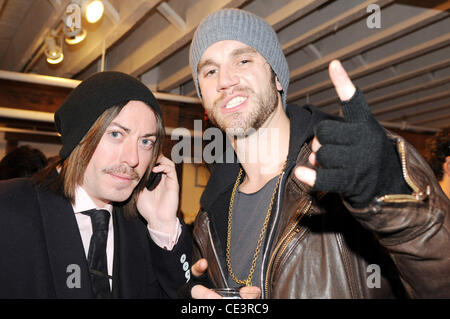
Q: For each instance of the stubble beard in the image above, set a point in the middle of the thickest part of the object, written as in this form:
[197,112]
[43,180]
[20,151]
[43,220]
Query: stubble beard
[239,124]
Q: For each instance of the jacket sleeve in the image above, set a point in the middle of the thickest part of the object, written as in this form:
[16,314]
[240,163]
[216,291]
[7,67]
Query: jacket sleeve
[173,267]
[414,228]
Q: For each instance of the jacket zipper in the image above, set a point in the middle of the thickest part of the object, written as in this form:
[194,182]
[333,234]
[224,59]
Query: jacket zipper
[272,231]
[215,255]
[416,196]
[283,244]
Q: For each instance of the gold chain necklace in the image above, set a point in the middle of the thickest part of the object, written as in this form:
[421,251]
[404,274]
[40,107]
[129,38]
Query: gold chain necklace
[248,281]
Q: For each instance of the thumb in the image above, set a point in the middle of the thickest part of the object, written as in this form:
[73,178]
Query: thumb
[199,267]
[306,175]
[354,105]
[342,83]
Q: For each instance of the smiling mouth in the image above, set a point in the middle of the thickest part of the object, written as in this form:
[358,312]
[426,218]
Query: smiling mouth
[235,102]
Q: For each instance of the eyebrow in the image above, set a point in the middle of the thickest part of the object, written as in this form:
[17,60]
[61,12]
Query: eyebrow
[207,62]
[234,53]
[244,50]
[127,130]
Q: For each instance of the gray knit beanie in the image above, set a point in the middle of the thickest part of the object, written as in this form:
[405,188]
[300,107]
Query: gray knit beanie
[243,26]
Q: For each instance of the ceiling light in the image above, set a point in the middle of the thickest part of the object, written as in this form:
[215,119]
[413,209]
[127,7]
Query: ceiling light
[53,50]
[94,11]
[57,60]
[77,38]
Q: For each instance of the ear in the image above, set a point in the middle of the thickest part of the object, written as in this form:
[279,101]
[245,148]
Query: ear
[446,166]
[279,87]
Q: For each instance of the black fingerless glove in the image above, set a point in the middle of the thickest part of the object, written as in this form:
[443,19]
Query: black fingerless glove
[356,158]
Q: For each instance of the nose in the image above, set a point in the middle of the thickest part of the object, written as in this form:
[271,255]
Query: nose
[227,79]
[130,154]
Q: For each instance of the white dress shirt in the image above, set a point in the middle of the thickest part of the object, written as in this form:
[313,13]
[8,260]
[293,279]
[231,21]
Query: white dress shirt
[83,202]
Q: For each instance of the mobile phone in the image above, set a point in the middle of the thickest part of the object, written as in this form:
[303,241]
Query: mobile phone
[153,180]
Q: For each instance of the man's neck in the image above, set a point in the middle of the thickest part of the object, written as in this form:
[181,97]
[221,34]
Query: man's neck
[263,153]
[84,201]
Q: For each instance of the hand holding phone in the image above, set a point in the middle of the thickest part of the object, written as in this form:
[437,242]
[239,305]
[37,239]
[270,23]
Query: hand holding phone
[158,204]
[153,180]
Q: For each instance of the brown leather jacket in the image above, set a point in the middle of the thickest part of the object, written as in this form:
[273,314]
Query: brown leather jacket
[317,246]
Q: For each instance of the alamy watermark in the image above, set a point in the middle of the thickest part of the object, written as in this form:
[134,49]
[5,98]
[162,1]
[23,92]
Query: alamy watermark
[74,278]
[374,279]
[259,146]
[374,19]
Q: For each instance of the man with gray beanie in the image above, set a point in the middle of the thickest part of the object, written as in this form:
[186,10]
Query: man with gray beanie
[86,226]
[315,206]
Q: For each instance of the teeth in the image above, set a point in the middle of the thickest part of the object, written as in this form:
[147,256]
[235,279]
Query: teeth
[234,102]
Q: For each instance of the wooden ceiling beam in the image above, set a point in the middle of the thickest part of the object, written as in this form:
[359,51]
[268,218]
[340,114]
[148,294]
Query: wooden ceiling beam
[396,94]
[442,114]
[442,121]
[417,110]
[405,76]
[377,39]
[331,26]
[410,90]
[404,105]
[291,12]
[393,80]
[172,16]
[398,57]
[422,100]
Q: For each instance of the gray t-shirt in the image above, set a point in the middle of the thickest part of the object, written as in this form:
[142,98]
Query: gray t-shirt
[249,212]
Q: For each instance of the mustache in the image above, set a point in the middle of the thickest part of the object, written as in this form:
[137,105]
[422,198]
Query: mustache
[122,170]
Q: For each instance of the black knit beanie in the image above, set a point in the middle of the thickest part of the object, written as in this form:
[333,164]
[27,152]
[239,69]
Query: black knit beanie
[91,98]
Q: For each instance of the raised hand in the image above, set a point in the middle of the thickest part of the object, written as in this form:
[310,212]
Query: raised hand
[354,156]
[159,206]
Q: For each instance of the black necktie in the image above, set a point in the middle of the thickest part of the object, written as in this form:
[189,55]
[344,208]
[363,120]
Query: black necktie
[97,261]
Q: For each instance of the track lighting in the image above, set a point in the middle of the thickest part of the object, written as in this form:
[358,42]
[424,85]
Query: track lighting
[77,38]
[93,10]
[53,48]
[72,27]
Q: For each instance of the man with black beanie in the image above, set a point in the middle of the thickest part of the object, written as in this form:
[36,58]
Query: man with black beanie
[313,206]
[86,226]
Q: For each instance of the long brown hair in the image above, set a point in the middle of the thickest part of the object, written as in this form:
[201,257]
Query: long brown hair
[72,169]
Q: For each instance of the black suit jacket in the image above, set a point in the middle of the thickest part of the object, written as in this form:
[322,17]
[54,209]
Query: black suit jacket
[42,255]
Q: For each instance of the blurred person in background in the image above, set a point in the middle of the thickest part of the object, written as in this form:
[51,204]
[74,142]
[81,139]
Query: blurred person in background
[438,156]
[22,162]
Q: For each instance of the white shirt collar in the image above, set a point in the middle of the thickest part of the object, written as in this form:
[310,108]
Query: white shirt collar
[84,202]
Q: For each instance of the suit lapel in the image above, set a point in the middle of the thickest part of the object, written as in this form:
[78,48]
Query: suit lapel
[131,257]
[65,248]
